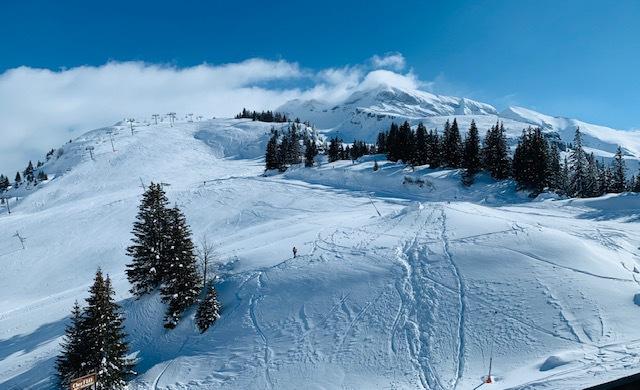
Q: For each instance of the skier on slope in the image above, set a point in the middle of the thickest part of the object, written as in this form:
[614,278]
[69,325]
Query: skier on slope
[295,252]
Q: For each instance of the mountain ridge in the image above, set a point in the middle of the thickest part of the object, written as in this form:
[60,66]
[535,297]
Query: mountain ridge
[366,112]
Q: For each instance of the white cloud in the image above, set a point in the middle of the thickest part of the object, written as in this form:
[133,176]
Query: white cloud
[393,61]
[40,109]
[386,77]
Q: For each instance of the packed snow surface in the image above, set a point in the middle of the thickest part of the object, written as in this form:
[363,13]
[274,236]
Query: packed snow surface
[403,280]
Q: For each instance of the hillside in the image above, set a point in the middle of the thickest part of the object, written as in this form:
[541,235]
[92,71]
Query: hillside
[404,279]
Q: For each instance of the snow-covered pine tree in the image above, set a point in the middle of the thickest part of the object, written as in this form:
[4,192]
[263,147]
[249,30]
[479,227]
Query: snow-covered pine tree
[592,176]
[619,181]
[293,145]
[565,185]
[579,168]
[605,180]
[554,168]
[105,347]
[271,156]
[4,183]
[181,278]
[530,161]
[69,362]
[284,153]
[495,153]
[452,145]
[28,172]
[209,308]
[18,179]
[471,155]
[148,251]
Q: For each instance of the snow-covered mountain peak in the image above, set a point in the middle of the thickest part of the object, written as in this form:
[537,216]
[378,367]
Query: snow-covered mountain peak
[386,100]
[534,118]
[366,112]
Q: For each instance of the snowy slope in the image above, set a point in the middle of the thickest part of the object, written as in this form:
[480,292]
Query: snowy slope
[414,297]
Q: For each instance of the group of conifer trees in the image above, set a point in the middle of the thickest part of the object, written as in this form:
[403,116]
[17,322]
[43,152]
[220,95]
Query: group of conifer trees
[164,259]
[263,116]
[535,164]
[163,256]
[449,149]
[337,151]
[4,183]
[30,176]
[284,149]
[95,340]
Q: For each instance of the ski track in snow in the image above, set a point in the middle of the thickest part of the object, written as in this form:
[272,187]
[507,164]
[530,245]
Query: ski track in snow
[461,300]
[254,320]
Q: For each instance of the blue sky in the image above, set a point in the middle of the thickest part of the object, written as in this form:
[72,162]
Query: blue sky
[572,58]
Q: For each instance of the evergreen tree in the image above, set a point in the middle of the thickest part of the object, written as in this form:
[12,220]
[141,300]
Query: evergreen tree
[381,142]
[565,183]
[495,153]
[105,348]
[530,161]
[407,143]
[471,155]
[618,182]
[636,185]
[605,180]
[69,362]
[148,251]
[393,150]
[271,157]
[42,176]
[452,145]
[310,152]
[284,153]
[334,153]
[293,153]
[434,150]
[4,183]
[208,310]
[554,168]
[181,278]
[592,176]
[579,166]
[18,179]
[28,172]
[421,148]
